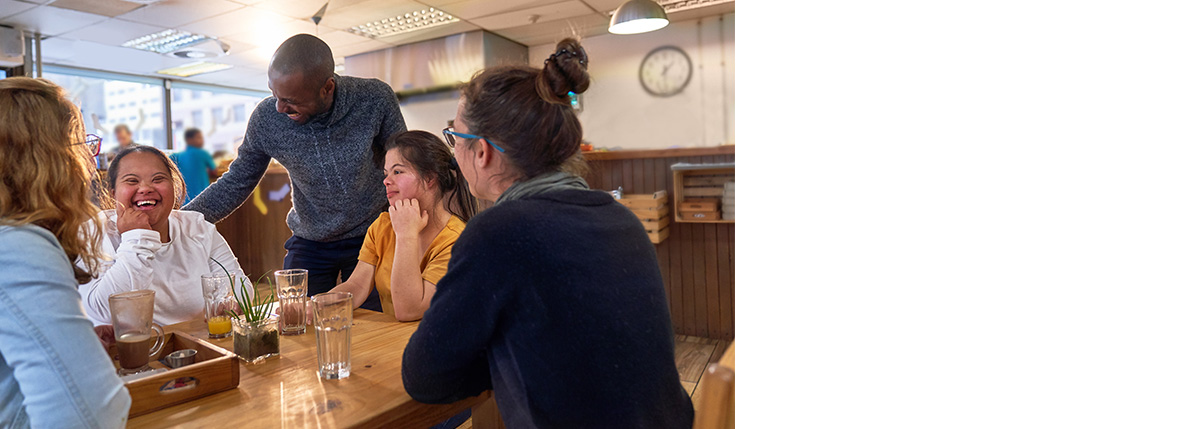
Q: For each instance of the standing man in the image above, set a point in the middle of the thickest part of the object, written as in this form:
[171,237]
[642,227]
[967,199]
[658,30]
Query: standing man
[195,163]
[322,128]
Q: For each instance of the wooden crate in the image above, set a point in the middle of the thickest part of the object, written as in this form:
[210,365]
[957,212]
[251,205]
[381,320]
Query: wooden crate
[699,189]
[652,210]
[700,215]
[215,370]
[705,205]
[658,236]
[644,201]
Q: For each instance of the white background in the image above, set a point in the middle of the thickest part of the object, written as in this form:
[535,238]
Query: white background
[968,214]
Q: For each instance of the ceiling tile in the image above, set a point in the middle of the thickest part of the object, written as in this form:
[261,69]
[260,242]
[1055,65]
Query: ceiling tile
[270,35]
[305,9]
[474,9]
[556,11]
[109,8]
[102,57]
[428,33]
[174,13]
[113,32]
[235,21]
[12,7]
[52,21]
[337,38]
[253,57]
[553,31]
[358,48]
[368,11]
[605,6]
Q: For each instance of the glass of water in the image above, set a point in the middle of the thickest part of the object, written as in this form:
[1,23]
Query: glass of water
[332,318]
[291,287]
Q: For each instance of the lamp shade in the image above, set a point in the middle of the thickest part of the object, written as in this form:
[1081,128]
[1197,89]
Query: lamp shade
[637,16]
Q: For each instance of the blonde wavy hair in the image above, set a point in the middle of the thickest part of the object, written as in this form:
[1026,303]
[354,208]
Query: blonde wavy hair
[46,173]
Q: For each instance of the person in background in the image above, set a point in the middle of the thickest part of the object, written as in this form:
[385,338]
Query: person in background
[54,372]
[153,245]
[553,298]
[407,249]
[195,163]
[124,138]
[124,141]
[321,127]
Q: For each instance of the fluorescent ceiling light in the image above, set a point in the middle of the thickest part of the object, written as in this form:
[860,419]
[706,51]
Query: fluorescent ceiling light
[192,69]
[419,20]
[180,44]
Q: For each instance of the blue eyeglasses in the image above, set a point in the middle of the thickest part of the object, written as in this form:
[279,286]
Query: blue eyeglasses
[450,138]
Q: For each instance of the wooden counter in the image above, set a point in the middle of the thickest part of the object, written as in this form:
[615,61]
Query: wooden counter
[696,259]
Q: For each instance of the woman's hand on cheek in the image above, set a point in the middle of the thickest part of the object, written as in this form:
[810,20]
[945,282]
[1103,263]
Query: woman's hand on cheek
[129,218]
[407,218]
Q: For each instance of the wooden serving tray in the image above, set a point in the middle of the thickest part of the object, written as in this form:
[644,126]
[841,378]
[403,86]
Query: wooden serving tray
[214,370]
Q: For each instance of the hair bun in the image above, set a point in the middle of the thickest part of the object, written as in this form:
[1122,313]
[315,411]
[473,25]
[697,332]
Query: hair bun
[565,71]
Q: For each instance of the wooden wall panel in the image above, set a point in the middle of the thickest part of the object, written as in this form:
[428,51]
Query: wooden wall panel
[696,259]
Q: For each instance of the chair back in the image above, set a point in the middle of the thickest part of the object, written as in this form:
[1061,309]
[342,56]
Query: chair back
[715,407]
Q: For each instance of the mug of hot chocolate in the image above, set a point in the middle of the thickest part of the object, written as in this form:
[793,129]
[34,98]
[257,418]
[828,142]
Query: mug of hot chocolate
[138,337]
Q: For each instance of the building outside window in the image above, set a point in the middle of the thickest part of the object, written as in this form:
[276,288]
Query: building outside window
[223,128]
[107,100]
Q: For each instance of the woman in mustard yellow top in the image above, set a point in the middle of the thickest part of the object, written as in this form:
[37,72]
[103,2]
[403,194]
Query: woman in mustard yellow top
[407,249]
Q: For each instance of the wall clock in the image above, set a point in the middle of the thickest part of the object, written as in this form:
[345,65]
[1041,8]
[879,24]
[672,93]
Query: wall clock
[665,71]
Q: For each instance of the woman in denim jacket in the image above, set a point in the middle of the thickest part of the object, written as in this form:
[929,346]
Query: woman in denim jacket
[54,372]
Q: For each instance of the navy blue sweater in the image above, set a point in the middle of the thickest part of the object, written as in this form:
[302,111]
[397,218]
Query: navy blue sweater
[556,303]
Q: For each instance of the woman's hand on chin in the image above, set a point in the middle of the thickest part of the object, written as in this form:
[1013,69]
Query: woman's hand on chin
[129,218]
[407,218]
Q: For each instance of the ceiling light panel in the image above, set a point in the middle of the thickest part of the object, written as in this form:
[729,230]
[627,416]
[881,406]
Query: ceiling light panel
[166,41]
[417,20]
[192,69]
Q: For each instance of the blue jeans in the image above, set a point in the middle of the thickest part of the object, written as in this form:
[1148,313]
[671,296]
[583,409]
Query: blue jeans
[327,263]
[453,422]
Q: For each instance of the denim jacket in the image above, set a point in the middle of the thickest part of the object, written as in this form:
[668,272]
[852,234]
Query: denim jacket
[54,372]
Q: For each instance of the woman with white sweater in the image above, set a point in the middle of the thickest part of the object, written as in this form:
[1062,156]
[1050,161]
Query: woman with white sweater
[152,245]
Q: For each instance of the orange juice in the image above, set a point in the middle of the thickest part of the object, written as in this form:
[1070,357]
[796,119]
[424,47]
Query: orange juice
[219,325]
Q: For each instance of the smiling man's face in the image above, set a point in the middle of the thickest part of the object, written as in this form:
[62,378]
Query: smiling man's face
[298,97]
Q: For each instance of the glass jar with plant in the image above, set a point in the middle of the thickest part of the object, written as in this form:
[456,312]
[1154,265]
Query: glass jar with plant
[256,329]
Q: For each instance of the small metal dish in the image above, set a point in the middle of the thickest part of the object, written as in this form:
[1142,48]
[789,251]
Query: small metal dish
[181,358]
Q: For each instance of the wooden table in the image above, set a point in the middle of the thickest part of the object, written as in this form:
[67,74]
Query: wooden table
[285,391]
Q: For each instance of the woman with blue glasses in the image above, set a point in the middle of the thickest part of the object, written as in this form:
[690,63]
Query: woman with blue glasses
[553,298]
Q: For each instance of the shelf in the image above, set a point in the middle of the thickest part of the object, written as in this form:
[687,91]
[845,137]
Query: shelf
[703,192]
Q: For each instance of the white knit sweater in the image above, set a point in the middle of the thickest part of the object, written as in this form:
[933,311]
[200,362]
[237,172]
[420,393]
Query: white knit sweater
[140,260]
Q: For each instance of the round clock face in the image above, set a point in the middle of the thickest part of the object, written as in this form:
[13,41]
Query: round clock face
[665,71]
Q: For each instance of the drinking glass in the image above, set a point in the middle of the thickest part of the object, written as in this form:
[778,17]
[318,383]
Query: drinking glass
[332,318]
[138,337]
[292,291]
[218,299]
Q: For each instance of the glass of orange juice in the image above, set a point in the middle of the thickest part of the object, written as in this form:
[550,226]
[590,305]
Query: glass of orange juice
[218,300]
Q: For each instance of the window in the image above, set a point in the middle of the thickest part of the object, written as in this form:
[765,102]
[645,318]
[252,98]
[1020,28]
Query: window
[107,100]
[239,113]
[224,127]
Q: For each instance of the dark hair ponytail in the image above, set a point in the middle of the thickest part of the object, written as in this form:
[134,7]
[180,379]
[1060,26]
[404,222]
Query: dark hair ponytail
[527,111]
[430,157]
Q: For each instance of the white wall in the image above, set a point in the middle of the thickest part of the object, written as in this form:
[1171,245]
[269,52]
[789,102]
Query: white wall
[617,112]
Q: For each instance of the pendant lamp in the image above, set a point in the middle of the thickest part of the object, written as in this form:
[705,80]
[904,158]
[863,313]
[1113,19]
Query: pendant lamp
[638,16]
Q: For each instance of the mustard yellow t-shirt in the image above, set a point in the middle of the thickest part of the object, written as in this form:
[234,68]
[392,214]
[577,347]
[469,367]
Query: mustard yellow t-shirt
[379,249]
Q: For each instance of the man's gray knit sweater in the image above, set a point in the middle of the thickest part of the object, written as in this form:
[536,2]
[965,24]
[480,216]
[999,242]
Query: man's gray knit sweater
[337,190]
